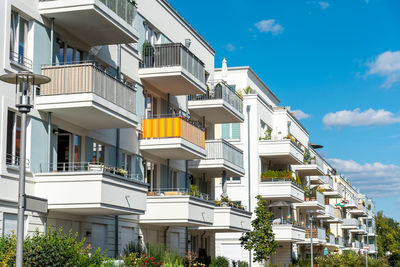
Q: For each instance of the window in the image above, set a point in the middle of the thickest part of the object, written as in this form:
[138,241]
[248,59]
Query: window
[13,138]
[68,54]
[98,154]
[19,29]
[231,131]
[233,179]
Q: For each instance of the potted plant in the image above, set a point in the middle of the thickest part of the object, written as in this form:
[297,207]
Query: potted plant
[148,54]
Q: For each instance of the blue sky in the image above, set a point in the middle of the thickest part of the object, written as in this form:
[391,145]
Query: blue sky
[338,61]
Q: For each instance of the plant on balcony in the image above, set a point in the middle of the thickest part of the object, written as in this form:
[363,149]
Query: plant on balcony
[267,135]
[261,239]
[306,156]
[270,174]
[321,190]
[194,191]
[248,90]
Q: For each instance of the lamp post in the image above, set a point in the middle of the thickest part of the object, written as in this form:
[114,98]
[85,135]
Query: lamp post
[310,212]
[24,86]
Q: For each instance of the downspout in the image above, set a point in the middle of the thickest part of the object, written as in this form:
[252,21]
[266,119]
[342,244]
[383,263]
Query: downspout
[165,236]
[187,188]
[49,140]
[116,236]
[248,164]
[117,158]
[52,41]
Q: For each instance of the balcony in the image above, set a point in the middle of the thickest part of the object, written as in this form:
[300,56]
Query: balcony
[316,180]
[177,207]
[221,156]
[312,168]
[90,189]
[288,232]
[361,230]
[339,242]
[172,69]
[282,151]
[371,231]
[327,184]
[318,236]
[172,138]
[95,22]
[350,224]
[314,202]
[330,240]
[336,192]
[228,219]
[83,93]
[221,104]
[372,249]
[360,210]
[281,189]
[351,204]
[328,214]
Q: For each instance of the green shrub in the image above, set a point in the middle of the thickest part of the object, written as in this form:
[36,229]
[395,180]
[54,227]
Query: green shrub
[240,264]
[134,247]
[348,259]
[165,255]
[53,249]
[219,262]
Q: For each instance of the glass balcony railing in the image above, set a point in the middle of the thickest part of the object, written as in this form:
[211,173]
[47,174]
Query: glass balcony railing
[221,149]
[351,222]
[173,127]
[221,90]
[170,55]
[316,232]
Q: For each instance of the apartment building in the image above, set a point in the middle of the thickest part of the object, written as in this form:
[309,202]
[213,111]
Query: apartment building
[302,189]
[121,141]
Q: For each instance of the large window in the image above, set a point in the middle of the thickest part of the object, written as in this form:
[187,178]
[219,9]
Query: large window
[19,29]
[231,131]
[68,54]
[13,138]
[98,153]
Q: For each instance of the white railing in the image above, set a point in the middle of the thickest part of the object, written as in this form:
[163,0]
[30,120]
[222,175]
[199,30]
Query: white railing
[356,244]
[317,178]
[320,198]
[71,167]
[14,161]
[173,54]
[321,233]
[221,90]
[332,239]
[125,9]
[339,241]
[328,180]
[88,77]
[221,149]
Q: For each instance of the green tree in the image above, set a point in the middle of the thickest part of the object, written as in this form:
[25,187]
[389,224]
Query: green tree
[261,240]
[388,231]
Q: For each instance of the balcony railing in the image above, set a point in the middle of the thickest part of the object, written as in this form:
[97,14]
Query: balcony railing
[20,59]
[221,149]
[72,167]
[125,9]
[351,222]
[316,233]
[339,241]
[170,55]
[356,244]
[221,90]
[177,192]
[329,210]
[280,180]
[88,77]
[328,180]
[173,127]
[319,197]
[14,161]
[331,239]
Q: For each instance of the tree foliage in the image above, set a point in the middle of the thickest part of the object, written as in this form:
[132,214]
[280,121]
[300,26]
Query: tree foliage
[261,239]
[388,231]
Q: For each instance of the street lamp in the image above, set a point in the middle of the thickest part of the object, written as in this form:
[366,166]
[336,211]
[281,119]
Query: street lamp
[24,86]
[310,216]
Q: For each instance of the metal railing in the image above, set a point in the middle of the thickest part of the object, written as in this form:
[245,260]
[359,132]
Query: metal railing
[221,90]
[88,77]
[331,239]
[328,180]
[14,161]
[356,244]
[177,192]
[317,178]
[170,55]
[280,180]
[221,149]
[173,127]
[339,241]
[20,59]
[71,167]
[350,222]
[125,9]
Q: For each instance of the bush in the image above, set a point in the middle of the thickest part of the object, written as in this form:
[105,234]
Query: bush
[348,259]
[53,249]
[134,247]
[165,255]
[219,262]
[240,264]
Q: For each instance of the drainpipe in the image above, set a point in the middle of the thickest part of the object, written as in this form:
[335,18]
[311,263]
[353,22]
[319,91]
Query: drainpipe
[224,194]
[116,236]
[49,139]
[248,164]
[117,158]
[165,236]
[168,177]
[117,145]
[52,40]
[187,239]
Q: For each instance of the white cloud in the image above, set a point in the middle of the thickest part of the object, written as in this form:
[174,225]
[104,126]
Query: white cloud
[356,117]
[269,26]
[230,47]
[300,115]
[375,179]
[386,65]
[324,5]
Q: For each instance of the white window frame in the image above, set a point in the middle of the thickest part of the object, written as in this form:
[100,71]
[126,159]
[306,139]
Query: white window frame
[27,34]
